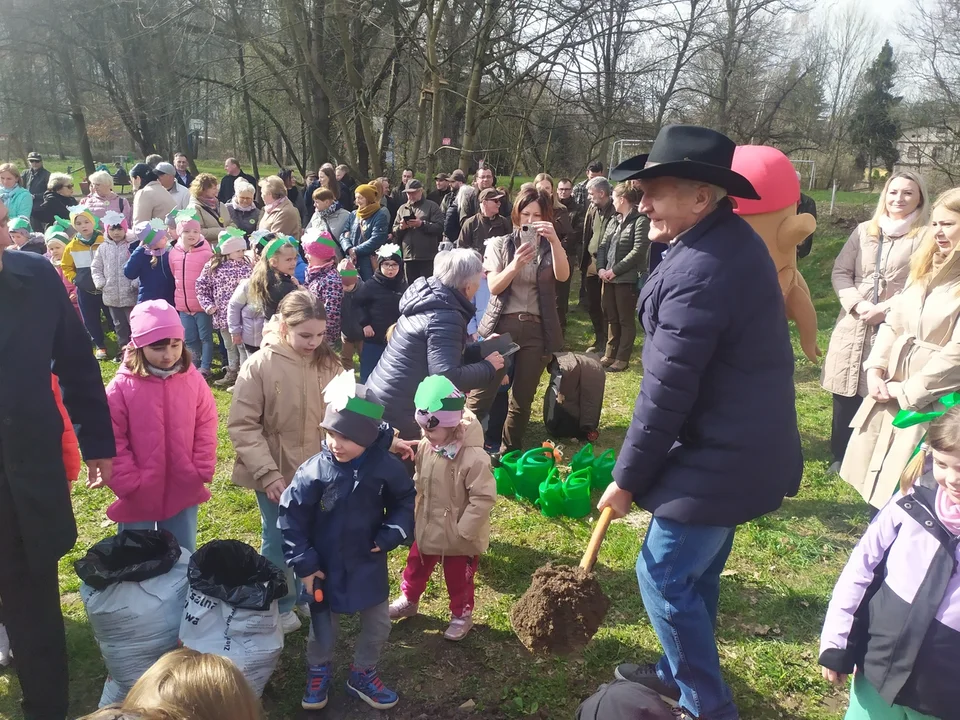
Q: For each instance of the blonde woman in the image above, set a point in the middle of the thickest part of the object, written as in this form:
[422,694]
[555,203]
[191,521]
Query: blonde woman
[18,199]
[212,214]
[102,198]
[869,272]
[279,214]
[915,359]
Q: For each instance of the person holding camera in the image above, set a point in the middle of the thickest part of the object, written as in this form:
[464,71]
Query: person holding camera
[419,226]
[523,270]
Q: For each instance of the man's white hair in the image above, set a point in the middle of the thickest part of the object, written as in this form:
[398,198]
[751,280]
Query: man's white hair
[600,183]
[718,192]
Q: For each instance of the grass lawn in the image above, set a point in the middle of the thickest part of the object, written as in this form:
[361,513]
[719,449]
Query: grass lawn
[773,597]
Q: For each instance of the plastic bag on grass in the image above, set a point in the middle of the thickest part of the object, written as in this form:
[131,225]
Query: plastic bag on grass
[134,587]
[231,608]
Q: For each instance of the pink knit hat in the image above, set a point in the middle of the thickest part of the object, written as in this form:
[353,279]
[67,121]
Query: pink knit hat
[319,244]
[152,321]
[186,220]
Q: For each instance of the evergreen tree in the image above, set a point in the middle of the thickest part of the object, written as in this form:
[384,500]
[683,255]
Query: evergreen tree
[873,129]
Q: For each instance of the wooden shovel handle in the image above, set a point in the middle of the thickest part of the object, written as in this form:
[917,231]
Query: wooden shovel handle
[596,540]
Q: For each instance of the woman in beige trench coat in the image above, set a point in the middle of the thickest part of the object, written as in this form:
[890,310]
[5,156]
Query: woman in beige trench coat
[870,270]
[915,359]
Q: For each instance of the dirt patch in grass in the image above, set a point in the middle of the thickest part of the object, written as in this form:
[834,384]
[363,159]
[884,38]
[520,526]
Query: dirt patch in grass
[561,611]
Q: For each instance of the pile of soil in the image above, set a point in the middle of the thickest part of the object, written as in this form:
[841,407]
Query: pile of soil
[561,611]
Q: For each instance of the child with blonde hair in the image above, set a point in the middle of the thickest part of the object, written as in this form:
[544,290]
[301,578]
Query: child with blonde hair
[119,292]
[165,425]
[894,617]
[76,264]
[455,493]
[273,276]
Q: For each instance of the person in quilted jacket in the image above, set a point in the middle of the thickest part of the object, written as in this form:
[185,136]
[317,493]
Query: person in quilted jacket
[165,425]
[431,339]
[187,260]
[119,292]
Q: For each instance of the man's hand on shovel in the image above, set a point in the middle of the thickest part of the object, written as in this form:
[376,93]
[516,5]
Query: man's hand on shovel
[618,500]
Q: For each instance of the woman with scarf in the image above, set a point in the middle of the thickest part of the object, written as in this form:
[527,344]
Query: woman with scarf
[103,199]
[243,211]
[279,214]
[210,212]
[16,198]
[869,272]
[366,231]
[914,362]
[328,216]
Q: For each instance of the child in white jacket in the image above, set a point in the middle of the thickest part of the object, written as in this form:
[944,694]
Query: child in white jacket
[119,292]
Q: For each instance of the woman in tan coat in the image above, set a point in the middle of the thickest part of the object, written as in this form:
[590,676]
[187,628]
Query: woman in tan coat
[279,214]
[212,214]
[870,270]
[915,359]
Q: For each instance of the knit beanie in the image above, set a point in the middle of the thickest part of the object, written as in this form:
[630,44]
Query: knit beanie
[352,410]
[19,223]
[438,403]
[319,244]
[231,240]
[186,220]
[348,273]
[150,232]
[369,192]
[112,218]
[82,211]
[55,234]
[389,251]
[152,321]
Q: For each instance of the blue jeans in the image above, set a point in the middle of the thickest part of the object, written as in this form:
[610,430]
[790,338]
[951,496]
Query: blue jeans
[198,331]
[271,547]
[679,575]
[183,525]
[370,355]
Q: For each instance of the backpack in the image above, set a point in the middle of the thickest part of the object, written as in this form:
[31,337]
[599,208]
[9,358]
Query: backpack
[574,396]
[624,700]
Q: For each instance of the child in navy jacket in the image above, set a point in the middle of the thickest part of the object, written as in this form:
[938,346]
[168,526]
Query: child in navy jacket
[347,507]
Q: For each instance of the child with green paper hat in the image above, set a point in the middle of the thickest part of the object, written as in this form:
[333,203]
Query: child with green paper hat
[273,275]
[455,493]
[218,280]
[76,264]
[21,232]
[347,507]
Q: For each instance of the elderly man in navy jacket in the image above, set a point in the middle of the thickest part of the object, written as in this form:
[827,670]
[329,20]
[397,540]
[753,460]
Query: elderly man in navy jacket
[714,440]
[40,331]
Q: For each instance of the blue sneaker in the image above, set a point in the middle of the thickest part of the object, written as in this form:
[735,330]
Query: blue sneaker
[365,684]
[318,687]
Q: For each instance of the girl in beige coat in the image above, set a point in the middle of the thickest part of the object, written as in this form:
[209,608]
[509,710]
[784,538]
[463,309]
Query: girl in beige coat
[869,272]
[915,360]
[274,421]
[455,493]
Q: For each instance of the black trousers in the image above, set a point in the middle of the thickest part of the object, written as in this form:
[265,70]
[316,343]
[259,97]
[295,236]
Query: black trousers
[31,613]
[844,408]
[417,268]
[593,285]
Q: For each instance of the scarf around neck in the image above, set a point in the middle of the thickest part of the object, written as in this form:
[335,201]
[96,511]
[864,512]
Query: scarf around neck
[324,214]
[243,208]
[275,205]
[368,211]
[164,374]
[212,204]
[896,228]
[948,511]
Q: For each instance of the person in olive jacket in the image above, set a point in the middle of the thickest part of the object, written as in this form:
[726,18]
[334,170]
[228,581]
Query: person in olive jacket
[419,226]
[621,261]
[40,331]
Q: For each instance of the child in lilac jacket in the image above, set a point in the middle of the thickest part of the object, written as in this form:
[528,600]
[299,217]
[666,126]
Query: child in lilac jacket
[165,424]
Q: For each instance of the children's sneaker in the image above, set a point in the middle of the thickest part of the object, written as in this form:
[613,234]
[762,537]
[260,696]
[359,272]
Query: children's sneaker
[403,608]
[459,627]
[289,622]
[100,354]
[318,687]
[5,654]
[365,684]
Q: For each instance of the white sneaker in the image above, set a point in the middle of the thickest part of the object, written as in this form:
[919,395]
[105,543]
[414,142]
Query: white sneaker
[403,608]
[289,622]
[5,654]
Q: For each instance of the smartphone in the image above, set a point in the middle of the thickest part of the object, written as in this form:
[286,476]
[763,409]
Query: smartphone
[528,234]
[511,349]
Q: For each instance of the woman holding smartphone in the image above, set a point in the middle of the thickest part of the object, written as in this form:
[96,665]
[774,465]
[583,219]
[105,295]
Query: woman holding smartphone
[523,270]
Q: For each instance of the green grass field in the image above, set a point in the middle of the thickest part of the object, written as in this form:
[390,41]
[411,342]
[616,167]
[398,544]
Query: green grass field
[774,592]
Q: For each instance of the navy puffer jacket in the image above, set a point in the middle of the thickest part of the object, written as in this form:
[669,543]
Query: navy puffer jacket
[430,339]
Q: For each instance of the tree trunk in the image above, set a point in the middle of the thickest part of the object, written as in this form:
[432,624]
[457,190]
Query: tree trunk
[421,126]
[68,69]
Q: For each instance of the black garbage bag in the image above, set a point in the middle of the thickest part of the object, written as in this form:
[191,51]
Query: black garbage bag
[235,573]
[624,700]
[128,556]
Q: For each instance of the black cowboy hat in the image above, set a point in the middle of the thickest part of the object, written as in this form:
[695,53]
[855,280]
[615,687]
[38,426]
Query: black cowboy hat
[692,153]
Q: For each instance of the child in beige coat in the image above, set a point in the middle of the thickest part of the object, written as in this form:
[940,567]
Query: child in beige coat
[455,493]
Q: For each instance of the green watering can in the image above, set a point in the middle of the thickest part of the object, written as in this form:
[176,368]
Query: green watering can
[603,470]
[509,463]
[583,458]
[504,482]
[576,494]
[532,469]
[551,500]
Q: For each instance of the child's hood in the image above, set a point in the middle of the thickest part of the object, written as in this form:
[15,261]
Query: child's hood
[473,432]
[273,341]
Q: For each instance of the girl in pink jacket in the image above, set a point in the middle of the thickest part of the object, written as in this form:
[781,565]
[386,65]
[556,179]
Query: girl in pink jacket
[187,259]
[165,424]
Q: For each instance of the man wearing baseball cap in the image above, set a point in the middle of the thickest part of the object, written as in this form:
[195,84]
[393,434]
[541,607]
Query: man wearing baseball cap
[442,181]
[486,224]
[35,180]
[167,176]
[419,226]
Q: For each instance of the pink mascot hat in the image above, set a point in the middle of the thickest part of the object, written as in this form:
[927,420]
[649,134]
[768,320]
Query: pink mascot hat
[772,173]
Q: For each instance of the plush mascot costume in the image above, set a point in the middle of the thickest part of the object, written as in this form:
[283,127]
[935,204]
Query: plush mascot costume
[774,218]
